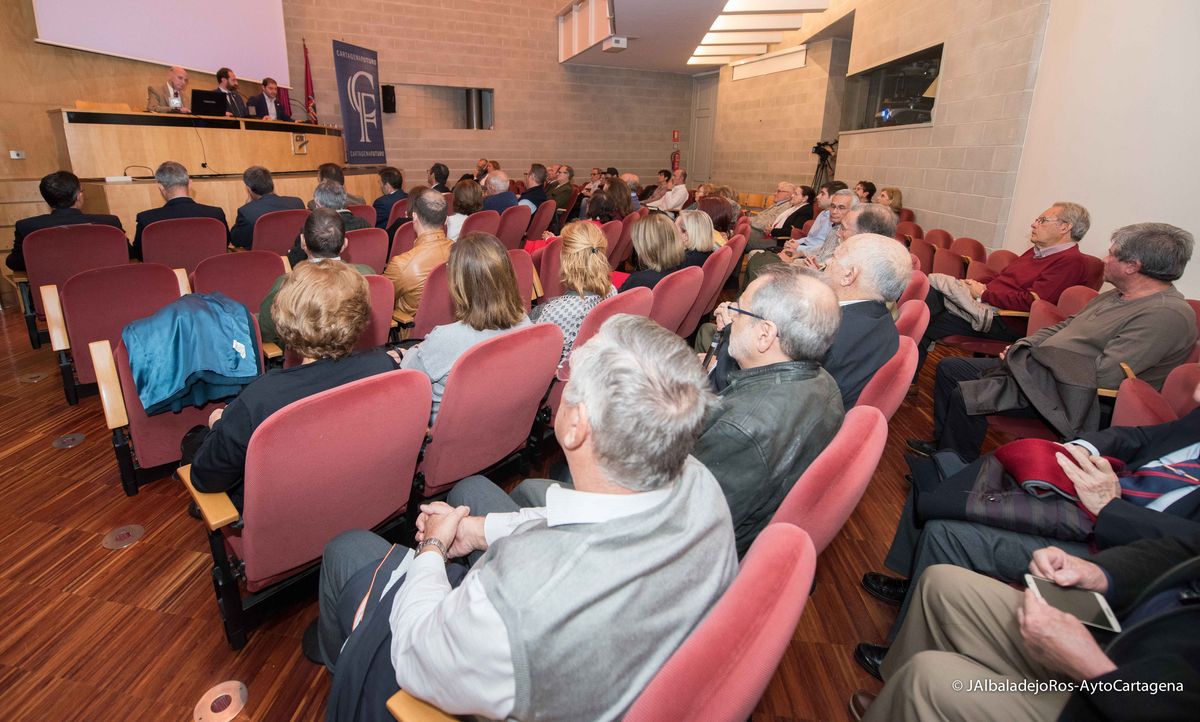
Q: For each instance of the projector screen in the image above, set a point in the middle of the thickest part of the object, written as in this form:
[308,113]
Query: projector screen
[199,35]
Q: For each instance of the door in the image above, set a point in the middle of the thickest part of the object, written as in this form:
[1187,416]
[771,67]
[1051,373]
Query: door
[704,120]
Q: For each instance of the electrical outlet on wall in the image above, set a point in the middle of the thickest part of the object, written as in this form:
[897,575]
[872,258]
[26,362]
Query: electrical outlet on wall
[16,154]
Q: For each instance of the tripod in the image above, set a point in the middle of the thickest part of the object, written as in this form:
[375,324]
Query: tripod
[824,170]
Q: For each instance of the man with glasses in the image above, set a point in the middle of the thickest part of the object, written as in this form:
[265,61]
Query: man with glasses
[535,191]
[780,408]
[561,192]
[762,223]
[1052,265]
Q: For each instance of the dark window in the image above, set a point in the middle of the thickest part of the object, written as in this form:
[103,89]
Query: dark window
[901,92]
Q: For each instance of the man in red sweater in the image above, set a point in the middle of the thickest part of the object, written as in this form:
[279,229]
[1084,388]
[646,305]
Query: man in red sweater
[1051,266]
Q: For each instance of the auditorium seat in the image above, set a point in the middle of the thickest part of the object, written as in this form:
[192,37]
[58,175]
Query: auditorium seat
[435,308]
[404,239]
[908,228]
[917,288]
[481,221]
[674,296]
[887,388]
[550,269]
[183,242]
[399,210]
[245,277]
[947,262]
[924,251]
[363,211]
[913,319]
[613,232]
[1139,404]
[276,232]
[540,222]
[736,245]
[523,268]
[998,260]
[514,222]
[937,237]
[969,248]
[621,251]
[715,267]
[368,246]
[353,471]
[1094,267]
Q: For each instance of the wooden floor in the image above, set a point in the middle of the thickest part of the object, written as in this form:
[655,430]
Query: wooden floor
[92,634]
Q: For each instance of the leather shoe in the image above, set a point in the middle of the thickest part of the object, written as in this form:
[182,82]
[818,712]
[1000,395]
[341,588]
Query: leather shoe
[920,447]
[870,656]
[859,702]
[884,588]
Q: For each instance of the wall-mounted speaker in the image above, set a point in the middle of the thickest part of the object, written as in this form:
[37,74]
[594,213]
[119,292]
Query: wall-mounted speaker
[389,99]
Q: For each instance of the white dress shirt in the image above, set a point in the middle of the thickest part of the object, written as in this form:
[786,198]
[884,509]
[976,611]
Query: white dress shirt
[272,113]
[450,646]
[673,200]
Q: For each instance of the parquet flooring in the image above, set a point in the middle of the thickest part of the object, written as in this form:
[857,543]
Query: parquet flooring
[92,634]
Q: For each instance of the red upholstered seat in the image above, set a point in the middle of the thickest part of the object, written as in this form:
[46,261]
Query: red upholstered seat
[399,210]
[674,296]
[404,239]
[513,224]
[485,221]
[948,262]
[276,231]
[906,214]
[969,248]
[550,269]
[620,251]
[525,361]
[998,260]
[363,211]
[913,319]
[449,203]
[917,288]
[978,271]
[938,237]
[245,277]
[522,264]
[823,498]
[908,228]
[886,389]
[613,231]
[368,246]
[52,255]
[540,222]
[736,245]
[435,308]
[1095,271]
[924,251]
[183,242]
[715,269]
[722,668]
[383,296]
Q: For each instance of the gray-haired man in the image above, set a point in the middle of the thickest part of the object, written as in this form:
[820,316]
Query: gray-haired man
[175,186]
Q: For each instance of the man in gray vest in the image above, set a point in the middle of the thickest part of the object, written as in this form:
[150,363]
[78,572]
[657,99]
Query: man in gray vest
[624,565]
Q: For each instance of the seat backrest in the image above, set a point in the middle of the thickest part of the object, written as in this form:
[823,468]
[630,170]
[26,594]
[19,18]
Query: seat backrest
[1094,270]
[924,251]
[245,277]
[436,307]
[1180,388]
[383,296]
[338,460]
[620,251]
[514,221]
[722,668]
[886,389]
[52,255]
[917,288]
[969,248]
[1073,299]
[1042,313]
[714,276]
[276,231]
[399,210]
[977,271]
[550,269]
[522,264]
[998,260]
[183,242]
[937,237]
[368,246]
[540,222]
[644,211]
[736,245]
[613,230]
[1194,356]
[404,240]
[948,262]
[525,359]
[825,495]
[99,303]
[674,296]
[908,228]
[363,211]
[906,214]
[1139,404]
[913,319]
[486,221]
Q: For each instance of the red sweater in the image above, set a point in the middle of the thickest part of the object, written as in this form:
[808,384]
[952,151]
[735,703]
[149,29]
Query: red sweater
[1048,277]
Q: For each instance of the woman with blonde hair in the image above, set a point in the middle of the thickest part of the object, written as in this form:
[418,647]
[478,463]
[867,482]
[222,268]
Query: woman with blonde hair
[890,197]
[696,233]
[586,281]
[659,252]
[483,288]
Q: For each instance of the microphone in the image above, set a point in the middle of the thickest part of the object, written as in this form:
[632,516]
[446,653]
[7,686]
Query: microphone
[717,339]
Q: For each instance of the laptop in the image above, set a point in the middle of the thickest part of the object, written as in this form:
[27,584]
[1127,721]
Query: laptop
[208,102]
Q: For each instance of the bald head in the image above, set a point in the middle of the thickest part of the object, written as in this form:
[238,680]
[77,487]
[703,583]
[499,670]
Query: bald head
[869,267]
[496,182]
[177,78]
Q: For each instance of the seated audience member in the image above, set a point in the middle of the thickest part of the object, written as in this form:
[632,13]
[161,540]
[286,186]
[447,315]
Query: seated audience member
[618,193]
[267,104]
[966,307]
[169,98]
[496,195]
[967,634]
[483,287]
[1143,322]
[797,215]
[659,251]
[260,200]
[493,165]
[702,190]
[780,408]
[561,193]
[783,203]
[602,207]
[333,172]
[175,187]
[849,220]
[864,191]
[890,197]
[696,233]
[468,199]
[676,195]
[64,195]
[626,563]
[322,238]
[595,179]
[586,281]
[331,196]
[840,203]
[635,187]
[722,214]
[437,177]
[660,190]
[227,84]
[535,191]
[391,182]
[730,195]
[401,220]
[431,248]
[823,223]
[319,312]
[481,170]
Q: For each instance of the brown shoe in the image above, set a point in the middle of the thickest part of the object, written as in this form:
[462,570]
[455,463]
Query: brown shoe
[859,702]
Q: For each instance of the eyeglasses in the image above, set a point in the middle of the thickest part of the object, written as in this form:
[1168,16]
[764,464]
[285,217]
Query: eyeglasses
[1043,219]
[737,309]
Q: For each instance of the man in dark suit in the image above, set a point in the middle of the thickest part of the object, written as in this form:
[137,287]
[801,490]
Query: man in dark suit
[330,195]
[235,104]
[438,175]
[175,187]
[391,182]
[266,104]
[497,196]
[62,192]
[333,172]
[261,199]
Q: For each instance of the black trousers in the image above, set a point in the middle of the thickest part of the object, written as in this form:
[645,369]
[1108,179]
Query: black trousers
[942,323]
[953,427]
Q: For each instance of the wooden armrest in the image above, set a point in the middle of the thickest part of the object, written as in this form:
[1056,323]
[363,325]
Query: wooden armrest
[1012,314]
[109,383]
[1107,393]
[54,318]
[537,286]
[272,350]
[407,708]
[185,286]
[1129,374]
[287,265]
[217,509]
[20,277]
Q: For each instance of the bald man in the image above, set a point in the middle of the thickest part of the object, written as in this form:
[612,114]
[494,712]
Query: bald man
[169,98]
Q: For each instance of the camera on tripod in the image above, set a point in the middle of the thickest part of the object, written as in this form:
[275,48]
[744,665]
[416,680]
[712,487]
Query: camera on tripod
[824,148]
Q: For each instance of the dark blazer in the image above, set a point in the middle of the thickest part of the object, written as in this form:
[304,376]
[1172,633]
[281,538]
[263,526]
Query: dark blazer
[441,188]
[243,228]
[500,202]
[796,219]
[235,103]
[535,195]
[182,207]
[53,219]
[259,104]
[383,206]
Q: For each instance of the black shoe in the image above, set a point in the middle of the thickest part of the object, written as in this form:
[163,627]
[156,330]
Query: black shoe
[870,656]
[920,447]
[311,645]
[908,479]
[194,510]
[884,588]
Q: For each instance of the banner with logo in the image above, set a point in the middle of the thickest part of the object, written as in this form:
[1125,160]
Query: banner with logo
[357,71]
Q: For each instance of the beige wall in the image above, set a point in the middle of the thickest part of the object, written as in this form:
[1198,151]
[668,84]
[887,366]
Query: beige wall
[1113,123]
